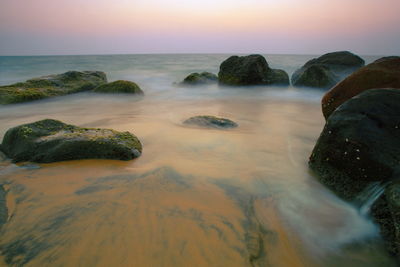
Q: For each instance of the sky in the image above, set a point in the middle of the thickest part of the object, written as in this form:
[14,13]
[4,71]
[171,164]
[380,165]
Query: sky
[62,27]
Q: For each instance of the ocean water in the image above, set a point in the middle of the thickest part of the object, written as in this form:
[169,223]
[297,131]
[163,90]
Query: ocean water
[198,197]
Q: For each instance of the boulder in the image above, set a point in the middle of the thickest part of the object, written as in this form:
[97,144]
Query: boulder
[51,85]
[119,86]
[250,70]
[211,122]
[383,73]
[51,140]
[360,144]
[327,70]
[200,78]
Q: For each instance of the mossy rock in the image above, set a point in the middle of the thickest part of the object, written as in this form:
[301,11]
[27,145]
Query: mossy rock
[327,70]
[211,122]
[250,70]
[51,85]
[200,79]
[51,140]
[120,86]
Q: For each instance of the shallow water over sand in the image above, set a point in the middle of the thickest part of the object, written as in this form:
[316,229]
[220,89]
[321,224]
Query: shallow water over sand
[198,197]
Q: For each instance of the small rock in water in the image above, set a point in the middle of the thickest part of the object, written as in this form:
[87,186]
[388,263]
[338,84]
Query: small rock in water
[51,140]
[200,78]
[120,86]
[211,122]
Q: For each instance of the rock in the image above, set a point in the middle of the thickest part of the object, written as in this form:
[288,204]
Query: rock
[383,73]
[3,206]
[51,140]
[119,87]
[327,70]
[211,122]
[360,144]
[250,70]
[52,85]
[200,78]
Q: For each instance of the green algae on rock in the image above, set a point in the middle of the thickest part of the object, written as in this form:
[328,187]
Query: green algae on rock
[51,85]
[119,86]
[211,122]
[51,140]
[250,70]
[200,78]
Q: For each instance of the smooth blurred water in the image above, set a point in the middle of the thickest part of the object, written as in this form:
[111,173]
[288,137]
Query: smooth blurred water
[202,197]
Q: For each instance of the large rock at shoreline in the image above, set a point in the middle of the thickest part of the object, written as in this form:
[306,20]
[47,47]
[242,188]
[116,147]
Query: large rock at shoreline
[250,70]
[383,73]
[211,122]
[51,85]
[360,144]
[200,78]
[51,140]
[327,70]
[119,86]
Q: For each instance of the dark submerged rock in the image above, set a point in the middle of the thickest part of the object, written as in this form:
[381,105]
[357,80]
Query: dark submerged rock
[51,140]
[211,122]
[200,78]
[250,70]
[119,86]
[327,70]
[383,73]
[51,85]
[360,144]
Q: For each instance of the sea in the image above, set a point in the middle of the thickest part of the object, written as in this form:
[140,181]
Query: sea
[196,196]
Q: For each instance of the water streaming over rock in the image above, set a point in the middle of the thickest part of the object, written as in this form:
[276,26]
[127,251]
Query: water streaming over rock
[368,196]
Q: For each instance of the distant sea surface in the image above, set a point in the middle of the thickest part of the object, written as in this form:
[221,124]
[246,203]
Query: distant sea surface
[195,197]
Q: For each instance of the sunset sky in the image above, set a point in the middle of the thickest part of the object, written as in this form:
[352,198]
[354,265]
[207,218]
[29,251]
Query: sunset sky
[40,27]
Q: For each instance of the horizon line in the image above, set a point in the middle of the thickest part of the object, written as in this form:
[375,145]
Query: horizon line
[200,53]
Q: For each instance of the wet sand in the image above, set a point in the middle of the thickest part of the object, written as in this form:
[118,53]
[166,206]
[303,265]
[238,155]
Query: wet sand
[198,197]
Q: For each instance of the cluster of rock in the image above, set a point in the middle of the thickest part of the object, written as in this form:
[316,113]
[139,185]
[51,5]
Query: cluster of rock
[322,72]
[360,143]
[63,84]
[241,71]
